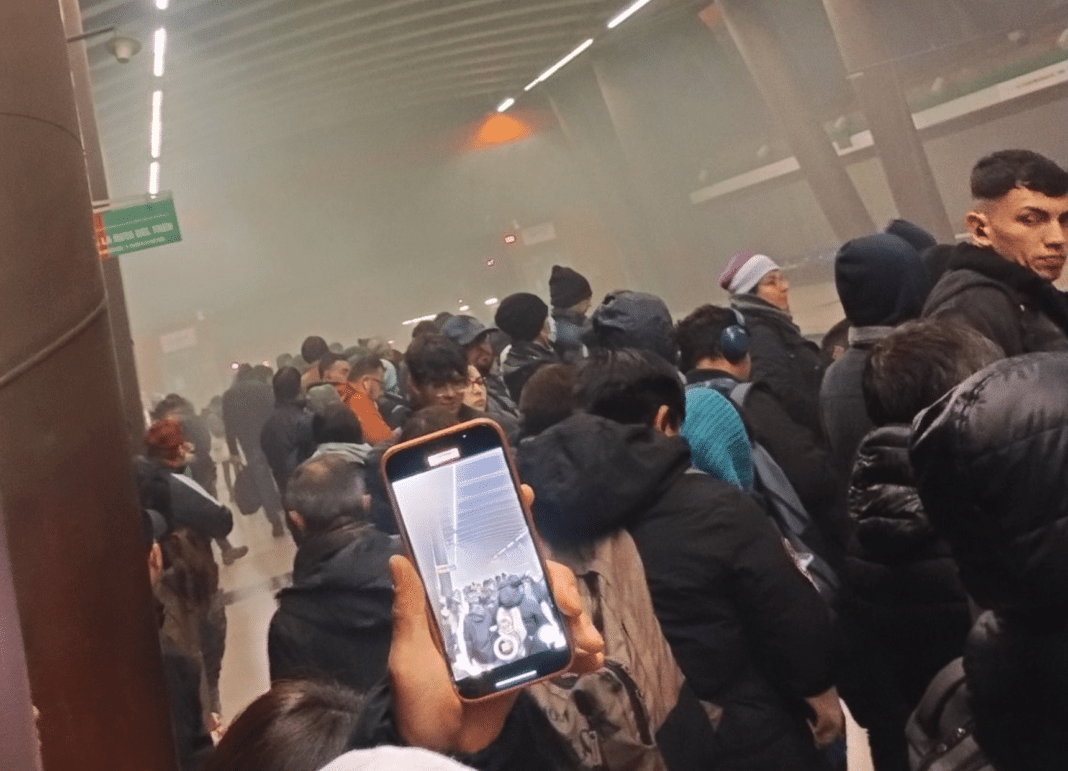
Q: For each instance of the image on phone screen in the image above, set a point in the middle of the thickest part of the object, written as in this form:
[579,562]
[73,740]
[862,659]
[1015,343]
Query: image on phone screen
[474,550]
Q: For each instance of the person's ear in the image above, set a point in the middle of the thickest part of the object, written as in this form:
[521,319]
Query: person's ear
[978,224]
[296,520]
[665,421]
[155,564]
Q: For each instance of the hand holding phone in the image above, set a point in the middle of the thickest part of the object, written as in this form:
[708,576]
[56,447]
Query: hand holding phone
[426,706]
[456,497]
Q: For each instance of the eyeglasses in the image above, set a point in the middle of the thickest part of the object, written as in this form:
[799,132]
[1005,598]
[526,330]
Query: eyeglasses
[477,381]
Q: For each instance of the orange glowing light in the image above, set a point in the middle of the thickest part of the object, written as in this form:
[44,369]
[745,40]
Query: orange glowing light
[498,129]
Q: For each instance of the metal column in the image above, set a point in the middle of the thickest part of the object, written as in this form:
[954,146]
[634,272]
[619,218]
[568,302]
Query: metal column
[73,527]
[875,80]
[762,50]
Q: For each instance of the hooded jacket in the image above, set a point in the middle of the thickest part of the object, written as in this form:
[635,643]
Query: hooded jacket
[335,621]
[1007,303]
[882,281]
[749,632]
[791,366]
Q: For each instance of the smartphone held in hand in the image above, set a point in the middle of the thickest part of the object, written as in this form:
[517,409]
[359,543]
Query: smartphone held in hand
[457,500]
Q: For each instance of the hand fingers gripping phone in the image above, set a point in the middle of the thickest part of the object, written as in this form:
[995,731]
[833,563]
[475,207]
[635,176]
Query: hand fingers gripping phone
[456,497]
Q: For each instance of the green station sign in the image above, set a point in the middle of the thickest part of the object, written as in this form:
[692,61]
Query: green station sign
[144,225]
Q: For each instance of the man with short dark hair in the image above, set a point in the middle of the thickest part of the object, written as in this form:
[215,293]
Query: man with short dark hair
[334,622]
[286,438]
[524,317]
[311,350]
[365,385]
[437,377]
[1001,283]
[748,629]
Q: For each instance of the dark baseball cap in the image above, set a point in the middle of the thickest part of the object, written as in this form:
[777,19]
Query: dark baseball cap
[464,330]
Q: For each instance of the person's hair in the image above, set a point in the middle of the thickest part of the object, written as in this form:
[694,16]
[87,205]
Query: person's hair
[699,335]
[365,365]
[427,421]
[324,489]
[243,373]
[547,398]
[434,359]
[262,373]
[998,173]
[171,404]
[329,359]
[630,386]
[336,423]
[911,368]
[286,384]
[313,348]
[424,328]
[283,360]
[298,725]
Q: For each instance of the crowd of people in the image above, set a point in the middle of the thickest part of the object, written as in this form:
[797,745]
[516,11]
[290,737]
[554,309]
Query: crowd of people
[745,528]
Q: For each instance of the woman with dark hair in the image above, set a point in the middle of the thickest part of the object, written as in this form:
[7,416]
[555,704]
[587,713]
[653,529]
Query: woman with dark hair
[298,725]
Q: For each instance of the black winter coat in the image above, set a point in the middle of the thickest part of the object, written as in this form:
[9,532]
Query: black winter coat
[1006,302]
[522,361]
[903,607]
[335,621]
[791,366]
[245,408]
[748,630]
[195,509]
[286,440]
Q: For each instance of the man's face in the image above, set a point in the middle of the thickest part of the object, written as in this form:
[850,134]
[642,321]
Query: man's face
[1025,227]
[338,372]
[480,354]
[373,384]
[447,393]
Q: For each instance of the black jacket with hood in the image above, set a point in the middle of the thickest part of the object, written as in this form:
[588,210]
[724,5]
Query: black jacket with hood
[791,366]
[522,361]
[748,630]
[1006,302]
[335,621]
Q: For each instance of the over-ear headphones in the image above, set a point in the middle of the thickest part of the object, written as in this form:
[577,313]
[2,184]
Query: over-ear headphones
[734,340]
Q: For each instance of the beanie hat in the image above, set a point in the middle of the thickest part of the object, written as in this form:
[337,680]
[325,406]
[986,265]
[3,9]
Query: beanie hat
[568,287]
[881,280]
[914,234]
[719,444]
[164,439]
[521,316]
[744,271]
[627,319]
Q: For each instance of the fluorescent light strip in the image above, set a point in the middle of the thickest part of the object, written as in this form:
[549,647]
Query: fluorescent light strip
[627,13]
[157,122]
[505,104]
[563,62]
[153,178]
[531,84]
[161,45]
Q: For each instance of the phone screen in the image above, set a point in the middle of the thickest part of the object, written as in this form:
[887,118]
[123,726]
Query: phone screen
[474,550]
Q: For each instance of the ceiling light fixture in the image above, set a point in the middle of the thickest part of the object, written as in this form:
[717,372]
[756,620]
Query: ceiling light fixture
[627,13]
[161,45]
[505,104]
[531,84]
[560,64]
[157,122]
[153,178]
[162,4]
[409,322]
[491,301]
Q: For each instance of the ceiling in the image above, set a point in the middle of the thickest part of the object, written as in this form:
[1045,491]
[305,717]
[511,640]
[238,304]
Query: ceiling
[236,68]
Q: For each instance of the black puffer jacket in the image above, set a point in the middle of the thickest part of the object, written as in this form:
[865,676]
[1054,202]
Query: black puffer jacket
[335,621]
[903,606]
[1003,301]
[748,630]
[791,366]
[991,456]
